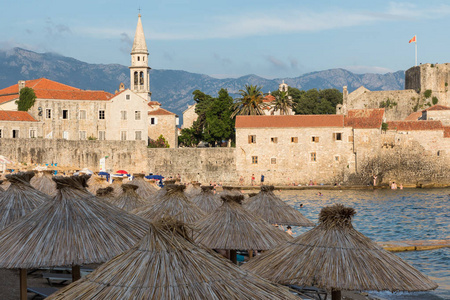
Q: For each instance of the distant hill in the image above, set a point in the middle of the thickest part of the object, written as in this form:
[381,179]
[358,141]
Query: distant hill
[173,88]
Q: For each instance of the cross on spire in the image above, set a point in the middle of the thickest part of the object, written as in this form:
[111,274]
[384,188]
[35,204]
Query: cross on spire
[139,9]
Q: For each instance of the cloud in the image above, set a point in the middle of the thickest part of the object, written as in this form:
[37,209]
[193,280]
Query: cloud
[294,63]
[367,69]
[55,30]
[276,63]
[126,43]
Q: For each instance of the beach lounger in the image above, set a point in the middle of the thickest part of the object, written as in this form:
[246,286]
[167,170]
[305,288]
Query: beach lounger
[59,278]
[41,292]
[310,291]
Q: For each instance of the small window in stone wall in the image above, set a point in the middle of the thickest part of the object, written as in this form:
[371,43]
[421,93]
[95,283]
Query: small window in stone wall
[101,136]
[15,133]
[123,135]
[82,115]
[337,158]
[138,135]
[137,115]
[33,133]
[82,135]
[123,114]
[252,139]
[65,114]
[350,138]
[315,139]
[294,139]
[313,156]
[337,136]
[273,161]
[1,133]
[254,160]
[48,113]
[440,152]
[101,114]
[127,97]
[274,140]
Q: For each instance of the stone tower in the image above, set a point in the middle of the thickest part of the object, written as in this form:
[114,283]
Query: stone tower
[283,87]
[139,69]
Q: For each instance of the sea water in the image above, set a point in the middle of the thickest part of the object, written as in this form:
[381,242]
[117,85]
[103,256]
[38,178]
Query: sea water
[392,215]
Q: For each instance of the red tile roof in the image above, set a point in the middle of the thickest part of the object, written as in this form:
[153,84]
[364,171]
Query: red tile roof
[269,98]
[364,118]
[12,115]
[151,103]
[414,116]
[415,125]
[290,121]
[160,112]
[447,132]
[437,107]
[49,89]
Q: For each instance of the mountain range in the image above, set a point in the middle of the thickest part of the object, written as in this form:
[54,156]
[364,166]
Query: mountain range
[172,88]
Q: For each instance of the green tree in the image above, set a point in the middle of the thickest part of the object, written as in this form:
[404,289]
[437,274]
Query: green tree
[282,103]
[160,142]
[314,102]
[26,100]
[188,138]
[250,102]
[219,126]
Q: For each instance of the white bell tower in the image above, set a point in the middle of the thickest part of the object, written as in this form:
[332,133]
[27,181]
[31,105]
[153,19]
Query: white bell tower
[139,69]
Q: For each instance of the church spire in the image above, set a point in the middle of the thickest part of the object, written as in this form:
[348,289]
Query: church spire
[139,45]
[139,69]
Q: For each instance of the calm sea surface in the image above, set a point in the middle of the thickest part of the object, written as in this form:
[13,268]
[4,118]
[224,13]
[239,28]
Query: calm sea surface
[393,215]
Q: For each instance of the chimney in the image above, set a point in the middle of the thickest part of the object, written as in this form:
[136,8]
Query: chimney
[344,95]
[21,84]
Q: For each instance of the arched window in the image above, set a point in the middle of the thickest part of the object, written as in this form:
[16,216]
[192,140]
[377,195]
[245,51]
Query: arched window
[136,78]
[143,58]
[141,79]
[139,58]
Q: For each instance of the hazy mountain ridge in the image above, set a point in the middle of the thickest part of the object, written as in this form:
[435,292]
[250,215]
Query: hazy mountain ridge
[173,88]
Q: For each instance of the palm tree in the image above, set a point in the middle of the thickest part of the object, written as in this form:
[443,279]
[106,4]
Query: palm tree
[250,103]
[282,103]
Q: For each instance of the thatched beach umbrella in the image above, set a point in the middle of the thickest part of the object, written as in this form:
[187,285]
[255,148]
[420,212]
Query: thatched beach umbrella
[230,190]
[117,186]
[19,199]
[207,200]
[193,189]
[231,227]
[272,209]
[105,194]
[129,199]
[166,264]
[45,183]
[73,228]
[336,257]
[145,189]
[97,182]
[173,203]
[1,189]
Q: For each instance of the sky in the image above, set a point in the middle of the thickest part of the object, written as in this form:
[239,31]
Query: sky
[271,39]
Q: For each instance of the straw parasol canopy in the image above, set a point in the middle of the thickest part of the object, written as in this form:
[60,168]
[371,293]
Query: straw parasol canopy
[145,189]
[73,228]
[231,227]
[173,203]
[207,200]
[230,190]
[105,194]
[117,186]
[45,183]
[19,199]
[1,189]
[272,209]
[336,257]
[193,189]
[166,264]
[129,199]
[97,182]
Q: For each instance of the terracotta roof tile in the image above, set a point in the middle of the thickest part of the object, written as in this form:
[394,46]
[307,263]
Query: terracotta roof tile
[49,89]
[364,118]
[437,107]
[269,98]
[415,125]
[414,116]
[160,112]
[12,115]
[290,121]
[150,103]
[447,132]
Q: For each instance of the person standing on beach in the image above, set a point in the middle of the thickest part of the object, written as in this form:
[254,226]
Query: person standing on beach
[262,179]
[253,179]
[374,180]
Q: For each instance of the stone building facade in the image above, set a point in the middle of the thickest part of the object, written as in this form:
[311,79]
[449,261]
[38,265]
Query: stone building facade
[163,122]
[189,116]
[19,124]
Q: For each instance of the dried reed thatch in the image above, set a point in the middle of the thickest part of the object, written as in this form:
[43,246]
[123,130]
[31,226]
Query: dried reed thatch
[97,182]
[166,264]
[72,229]
[230,190]
[272,209]
[117,186]
[335,256]
[105,194]
[145,189]
[231,227]
[173,204]
[45,183]
[129,199]
[193,189]
[1,189]
[20,199]
[207,200]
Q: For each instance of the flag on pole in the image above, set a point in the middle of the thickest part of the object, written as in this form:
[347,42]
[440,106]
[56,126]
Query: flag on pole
[412,40]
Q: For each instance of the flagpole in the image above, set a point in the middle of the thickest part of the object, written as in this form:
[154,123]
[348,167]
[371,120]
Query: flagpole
[416,50]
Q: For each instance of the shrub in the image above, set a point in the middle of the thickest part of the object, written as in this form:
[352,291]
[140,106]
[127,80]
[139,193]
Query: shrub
[384,126]
[160,142]
[434,100]
[427,93]
[91,138]
[26,99]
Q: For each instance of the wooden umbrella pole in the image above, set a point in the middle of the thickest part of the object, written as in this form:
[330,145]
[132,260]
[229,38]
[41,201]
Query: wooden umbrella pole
[76,273]
[233,256]
[23,284]
[250,254]
[335,295]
